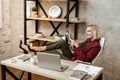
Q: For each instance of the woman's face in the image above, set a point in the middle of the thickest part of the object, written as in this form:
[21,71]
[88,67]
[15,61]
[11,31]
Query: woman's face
[89,32]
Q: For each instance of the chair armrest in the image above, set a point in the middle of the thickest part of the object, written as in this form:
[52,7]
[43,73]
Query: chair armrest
[78,61]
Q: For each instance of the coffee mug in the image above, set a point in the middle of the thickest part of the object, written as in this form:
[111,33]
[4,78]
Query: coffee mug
[33,60]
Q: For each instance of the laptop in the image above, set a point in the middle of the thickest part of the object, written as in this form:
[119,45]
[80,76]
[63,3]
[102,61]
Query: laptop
[50,61]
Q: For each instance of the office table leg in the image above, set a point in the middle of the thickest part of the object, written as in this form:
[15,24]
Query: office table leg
[29,76]
[20,74]
[3,72]
[100,77]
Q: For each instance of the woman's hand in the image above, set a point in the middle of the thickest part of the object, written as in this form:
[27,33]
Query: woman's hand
[73,43]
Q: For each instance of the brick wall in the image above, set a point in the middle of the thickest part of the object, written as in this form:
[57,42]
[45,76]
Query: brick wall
[5,31]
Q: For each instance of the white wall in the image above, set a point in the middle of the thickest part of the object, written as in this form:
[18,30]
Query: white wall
[105,13]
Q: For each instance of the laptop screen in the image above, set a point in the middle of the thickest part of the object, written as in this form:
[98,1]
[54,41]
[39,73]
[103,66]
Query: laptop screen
[49,61]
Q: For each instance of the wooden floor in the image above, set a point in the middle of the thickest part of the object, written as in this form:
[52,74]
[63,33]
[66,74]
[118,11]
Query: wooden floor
[16,72]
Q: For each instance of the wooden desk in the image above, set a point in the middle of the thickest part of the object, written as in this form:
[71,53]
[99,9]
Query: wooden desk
[30,68]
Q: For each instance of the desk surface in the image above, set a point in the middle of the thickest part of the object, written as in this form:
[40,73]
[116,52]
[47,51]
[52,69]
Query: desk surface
[27,66]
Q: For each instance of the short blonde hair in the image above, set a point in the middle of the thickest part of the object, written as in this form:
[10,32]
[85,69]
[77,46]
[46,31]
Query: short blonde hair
[96,31]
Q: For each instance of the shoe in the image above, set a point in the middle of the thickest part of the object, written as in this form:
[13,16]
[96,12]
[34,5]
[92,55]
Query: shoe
[20,46]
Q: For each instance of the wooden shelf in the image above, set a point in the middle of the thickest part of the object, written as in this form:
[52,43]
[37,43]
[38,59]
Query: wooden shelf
[52,0]
[56,20]
[55,0]
[45,38]
[47,0]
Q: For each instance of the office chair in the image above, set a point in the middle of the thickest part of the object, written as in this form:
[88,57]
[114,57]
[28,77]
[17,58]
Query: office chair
[102,41]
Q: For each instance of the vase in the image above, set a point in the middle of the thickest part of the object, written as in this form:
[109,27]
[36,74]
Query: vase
[28,11]
[34,13]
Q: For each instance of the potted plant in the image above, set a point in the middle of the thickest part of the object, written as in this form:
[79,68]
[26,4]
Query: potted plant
[34,11]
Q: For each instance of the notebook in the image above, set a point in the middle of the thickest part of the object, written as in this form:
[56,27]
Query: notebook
[50,61]
[24,58]
[68,37]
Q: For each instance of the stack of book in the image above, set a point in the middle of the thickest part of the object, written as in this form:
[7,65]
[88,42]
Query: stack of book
[79,75]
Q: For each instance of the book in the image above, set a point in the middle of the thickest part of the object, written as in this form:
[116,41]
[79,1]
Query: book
[78,75]
[24,58]
[68,37]
[86,77]
[67,34]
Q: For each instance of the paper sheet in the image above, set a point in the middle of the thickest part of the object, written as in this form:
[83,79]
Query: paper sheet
[92,70]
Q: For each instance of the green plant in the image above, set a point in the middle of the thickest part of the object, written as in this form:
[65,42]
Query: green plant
[34,8]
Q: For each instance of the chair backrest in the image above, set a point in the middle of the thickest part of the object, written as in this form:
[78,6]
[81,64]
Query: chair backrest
[102,41]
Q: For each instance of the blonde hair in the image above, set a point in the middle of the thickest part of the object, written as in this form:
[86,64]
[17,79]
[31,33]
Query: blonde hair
[96,31]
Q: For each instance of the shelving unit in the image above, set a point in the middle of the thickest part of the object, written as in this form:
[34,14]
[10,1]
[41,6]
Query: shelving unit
[61,20]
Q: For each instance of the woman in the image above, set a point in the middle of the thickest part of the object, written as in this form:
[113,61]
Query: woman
[85,51]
